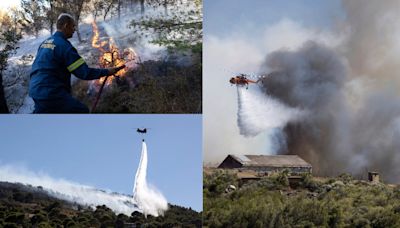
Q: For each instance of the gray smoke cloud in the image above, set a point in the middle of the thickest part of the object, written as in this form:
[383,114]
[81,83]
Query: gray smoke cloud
[311,78]
[351,94]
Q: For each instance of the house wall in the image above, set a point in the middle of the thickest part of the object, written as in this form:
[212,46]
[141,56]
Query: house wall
[373,177]
[278,169]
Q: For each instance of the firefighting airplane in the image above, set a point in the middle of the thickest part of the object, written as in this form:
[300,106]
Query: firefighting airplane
[242,79]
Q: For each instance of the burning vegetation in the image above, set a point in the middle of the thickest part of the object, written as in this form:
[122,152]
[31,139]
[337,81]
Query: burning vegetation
[170,84]
[111,56]
[174,27]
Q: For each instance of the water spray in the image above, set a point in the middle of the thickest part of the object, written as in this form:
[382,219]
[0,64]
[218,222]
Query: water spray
[257,112]
[147,197]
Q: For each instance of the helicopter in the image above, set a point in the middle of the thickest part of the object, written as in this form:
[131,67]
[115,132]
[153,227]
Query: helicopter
[242,79]
[141,130]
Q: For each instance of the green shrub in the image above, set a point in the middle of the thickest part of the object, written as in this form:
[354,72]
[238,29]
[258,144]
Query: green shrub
[309,183]
[38,218]
[16,217]
[280,179]
[268,203]
[44,225]
[218,182]
[10,225]
[345,177]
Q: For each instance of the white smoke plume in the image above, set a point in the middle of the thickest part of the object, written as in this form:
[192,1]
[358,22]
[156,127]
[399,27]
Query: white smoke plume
[148,198]
[70,191]
[257,112]
[123,35]
[120,29]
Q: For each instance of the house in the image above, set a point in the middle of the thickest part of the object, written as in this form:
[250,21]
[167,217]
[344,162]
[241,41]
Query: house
[265,164]
[373,177]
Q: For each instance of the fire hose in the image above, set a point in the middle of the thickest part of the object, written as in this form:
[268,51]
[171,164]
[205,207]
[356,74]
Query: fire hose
[101,89]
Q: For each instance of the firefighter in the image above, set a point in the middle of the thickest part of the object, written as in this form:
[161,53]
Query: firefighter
[50,78]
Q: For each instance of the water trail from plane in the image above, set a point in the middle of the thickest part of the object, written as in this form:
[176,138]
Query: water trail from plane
[147,197]
[257,112]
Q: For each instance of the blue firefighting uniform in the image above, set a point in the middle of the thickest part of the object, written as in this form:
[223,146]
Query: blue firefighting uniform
[50,84]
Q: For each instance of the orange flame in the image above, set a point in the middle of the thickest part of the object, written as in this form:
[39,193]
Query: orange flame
[111,57]
[95,39]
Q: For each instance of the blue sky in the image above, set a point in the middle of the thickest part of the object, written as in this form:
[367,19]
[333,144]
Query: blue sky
[104,151]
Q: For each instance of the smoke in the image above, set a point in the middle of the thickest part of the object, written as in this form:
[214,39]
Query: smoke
[344,77]
[148,198]
[124,36]
[312,78]
[243,52]
[350,93]
[372,46]
[257,112]
[69,191]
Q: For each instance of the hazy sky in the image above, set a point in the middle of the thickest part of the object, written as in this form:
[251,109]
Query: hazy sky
[4,4]
[238,35]
[104,151]
[227,17]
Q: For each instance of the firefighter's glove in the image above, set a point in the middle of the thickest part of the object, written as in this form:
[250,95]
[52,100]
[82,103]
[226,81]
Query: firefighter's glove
[114,70]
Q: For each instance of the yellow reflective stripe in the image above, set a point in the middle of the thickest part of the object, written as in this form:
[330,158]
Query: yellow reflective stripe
[75,65]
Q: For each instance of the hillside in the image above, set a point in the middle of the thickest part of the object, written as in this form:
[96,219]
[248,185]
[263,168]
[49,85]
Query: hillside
[28,206]
[161,86]
[313,202]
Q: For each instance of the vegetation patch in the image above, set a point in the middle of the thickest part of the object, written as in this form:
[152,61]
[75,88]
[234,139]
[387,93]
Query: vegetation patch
[270,202]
